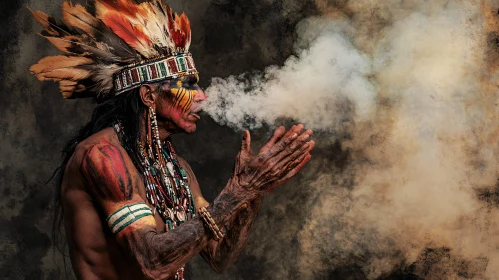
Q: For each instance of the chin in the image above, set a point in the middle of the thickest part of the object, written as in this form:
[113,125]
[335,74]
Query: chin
[189,129]
[186,125]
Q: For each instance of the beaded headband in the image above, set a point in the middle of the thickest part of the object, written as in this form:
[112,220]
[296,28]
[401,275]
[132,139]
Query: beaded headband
[154,71]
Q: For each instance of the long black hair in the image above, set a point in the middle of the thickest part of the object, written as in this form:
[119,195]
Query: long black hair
[125,108]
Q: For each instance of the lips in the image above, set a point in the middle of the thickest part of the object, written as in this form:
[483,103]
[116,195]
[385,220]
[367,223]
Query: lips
[196,116]
[195,110]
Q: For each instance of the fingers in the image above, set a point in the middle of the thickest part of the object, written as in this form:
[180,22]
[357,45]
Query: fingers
[297,128]
[286,145]
[278,134]
[287,139]
[301,140]
[286,153]
[246,142]
[297,165]
[292,160]
[297,157]
[245,154]
[297,145]
[304,149]
[289,166]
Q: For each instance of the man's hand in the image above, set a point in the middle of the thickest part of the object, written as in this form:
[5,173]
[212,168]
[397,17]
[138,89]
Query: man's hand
[281,158]
[277,161]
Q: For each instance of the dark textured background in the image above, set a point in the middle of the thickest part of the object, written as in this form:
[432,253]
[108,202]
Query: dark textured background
[229,37]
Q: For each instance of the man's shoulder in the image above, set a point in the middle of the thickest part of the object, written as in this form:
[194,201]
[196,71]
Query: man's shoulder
[90,151]
[93,146]
[104,166]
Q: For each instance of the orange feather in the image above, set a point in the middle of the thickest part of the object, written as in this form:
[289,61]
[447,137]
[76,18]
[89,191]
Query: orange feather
[67,88]
[65,70]
[82,45]
[43,19]
[63,44]
[61,67]
[50,24]
[125,7]
[77,16]
[185,26]
[180,29]
[132,34]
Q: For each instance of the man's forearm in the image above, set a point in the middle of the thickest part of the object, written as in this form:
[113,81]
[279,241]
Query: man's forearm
[220,255]
[160,255]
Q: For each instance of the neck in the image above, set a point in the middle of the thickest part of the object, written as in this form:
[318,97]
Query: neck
[164,132]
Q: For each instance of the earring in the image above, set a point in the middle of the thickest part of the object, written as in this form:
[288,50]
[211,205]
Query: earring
[148,143]
[155,131]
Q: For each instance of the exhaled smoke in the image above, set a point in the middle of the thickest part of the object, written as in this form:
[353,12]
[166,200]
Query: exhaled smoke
[417,76]
[309,88]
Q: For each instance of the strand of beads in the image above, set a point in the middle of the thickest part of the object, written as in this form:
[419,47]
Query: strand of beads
[168,177]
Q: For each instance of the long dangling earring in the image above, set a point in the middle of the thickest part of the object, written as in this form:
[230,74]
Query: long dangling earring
[148,143]
[156,142]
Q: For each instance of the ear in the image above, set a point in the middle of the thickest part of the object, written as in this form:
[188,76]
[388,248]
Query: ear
[148,96]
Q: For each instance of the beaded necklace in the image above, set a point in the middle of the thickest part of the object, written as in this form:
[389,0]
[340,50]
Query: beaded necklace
[167,187]
[166,183]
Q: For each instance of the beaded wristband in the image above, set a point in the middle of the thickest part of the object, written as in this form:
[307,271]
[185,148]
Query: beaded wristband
[210,223]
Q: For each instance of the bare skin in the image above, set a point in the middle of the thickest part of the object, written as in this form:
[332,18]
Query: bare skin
[101,178]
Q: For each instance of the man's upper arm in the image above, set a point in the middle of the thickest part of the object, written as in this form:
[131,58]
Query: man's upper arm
[112,179]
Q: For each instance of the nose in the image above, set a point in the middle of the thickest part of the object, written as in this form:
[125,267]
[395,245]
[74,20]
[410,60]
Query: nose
[200,96]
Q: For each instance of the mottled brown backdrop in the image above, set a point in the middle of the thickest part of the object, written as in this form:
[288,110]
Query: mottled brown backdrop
[229,37]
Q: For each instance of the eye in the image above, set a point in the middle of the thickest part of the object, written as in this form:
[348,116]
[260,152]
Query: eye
[191,80]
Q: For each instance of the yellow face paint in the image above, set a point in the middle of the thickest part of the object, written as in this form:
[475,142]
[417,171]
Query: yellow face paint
[184,91]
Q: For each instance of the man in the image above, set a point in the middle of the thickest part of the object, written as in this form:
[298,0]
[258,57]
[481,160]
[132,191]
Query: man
[132,208]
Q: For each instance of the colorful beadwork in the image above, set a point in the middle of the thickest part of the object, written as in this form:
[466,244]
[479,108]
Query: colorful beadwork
[166,182]
[167,187]
[154,71]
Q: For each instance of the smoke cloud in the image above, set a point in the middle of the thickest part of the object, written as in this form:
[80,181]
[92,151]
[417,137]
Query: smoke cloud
[308,88]
[411,85]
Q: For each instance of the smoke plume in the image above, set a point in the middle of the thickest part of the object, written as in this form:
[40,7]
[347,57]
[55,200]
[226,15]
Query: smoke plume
[408,90]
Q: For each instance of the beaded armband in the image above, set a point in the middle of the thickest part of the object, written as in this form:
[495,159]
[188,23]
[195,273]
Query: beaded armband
[127,215]
[210,223]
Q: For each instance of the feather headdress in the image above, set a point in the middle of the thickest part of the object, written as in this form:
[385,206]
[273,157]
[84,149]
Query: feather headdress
[121,46]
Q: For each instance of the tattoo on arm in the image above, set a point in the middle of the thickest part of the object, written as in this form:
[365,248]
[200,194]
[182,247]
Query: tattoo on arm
[221,255]
[162,254]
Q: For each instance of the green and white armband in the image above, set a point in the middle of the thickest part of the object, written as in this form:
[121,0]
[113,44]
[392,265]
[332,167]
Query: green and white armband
[127,215]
